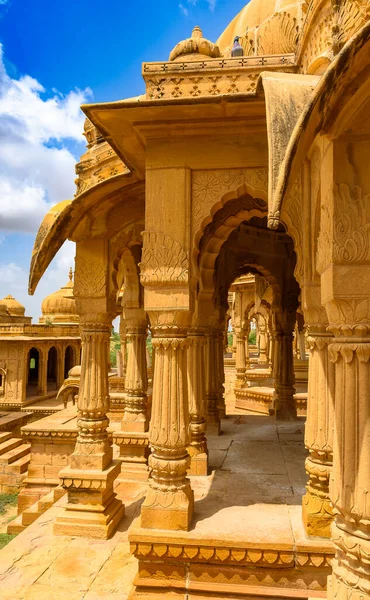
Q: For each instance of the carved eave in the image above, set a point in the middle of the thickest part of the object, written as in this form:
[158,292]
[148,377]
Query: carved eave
[128,125]
[345,78]
[286,97]
[61,221]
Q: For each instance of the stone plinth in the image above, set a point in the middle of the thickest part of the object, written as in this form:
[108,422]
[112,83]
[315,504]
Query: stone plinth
[134,452]
[225,558]
[97,511]
[52,441]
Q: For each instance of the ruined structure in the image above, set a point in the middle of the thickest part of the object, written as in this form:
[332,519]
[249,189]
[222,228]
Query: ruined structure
[229,165]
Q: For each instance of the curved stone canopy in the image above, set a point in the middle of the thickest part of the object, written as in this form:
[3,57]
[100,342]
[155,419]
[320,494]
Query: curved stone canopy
[60,307]
[257,19]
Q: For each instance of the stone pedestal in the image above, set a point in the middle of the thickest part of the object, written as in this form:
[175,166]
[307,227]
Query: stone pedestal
[169,502]
[92,509]
[196,393]
[316,507]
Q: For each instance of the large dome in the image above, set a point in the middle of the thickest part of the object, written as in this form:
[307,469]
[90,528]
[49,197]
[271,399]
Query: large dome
[60,307]
[264,27]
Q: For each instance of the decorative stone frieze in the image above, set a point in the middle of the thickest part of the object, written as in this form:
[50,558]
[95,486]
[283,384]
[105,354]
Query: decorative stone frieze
[210,77]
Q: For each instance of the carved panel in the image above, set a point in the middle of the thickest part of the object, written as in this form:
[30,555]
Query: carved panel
[208,188]
[278,34]
[351,224]
[164,261]
[90,278]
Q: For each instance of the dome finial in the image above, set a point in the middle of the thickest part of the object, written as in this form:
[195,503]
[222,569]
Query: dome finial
[197,32]
[70,274]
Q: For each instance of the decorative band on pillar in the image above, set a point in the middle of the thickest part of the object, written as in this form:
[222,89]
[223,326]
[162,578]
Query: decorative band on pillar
[350,481]
[169,502]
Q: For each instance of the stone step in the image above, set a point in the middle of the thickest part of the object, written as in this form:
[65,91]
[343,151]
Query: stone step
[13,455]
[10,444]
[4,436]
[33,512]
[16,526]
[20,465]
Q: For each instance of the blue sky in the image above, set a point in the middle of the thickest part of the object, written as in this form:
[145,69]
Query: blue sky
[56,54]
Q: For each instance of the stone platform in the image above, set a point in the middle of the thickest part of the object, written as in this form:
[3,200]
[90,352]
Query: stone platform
[247,539]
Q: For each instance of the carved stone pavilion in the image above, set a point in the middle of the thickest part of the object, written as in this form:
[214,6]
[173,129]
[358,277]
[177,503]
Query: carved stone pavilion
[236,187]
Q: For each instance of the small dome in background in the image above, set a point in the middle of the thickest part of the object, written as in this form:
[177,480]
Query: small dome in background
[195,48]
[13,307]
[60,307]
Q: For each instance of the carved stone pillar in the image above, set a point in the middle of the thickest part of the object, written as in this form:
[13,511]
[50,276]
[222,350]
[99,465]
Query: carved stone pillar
[169,502]
[263,344]
[212,383]
[240,357]
[133,437]
[316,506]
[247,359]
[92,509]
[284,375]
[221,376]
[123,351]
[350,481]
[135,417]
[197,394]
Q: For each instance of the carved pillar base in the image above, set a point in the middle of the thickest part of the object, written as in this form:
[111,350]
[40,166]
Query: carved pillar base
[133,455]
[92,511]
[197,449]
[317,511]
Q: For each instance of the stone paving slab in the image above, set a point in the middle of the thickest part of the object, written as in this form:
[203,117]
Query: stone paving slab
[251,498]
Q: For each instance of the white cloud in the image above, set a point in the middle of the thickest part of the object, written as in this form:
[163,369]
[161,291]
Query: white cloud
[36,167]
[212,5]
[14,280]
[184,10]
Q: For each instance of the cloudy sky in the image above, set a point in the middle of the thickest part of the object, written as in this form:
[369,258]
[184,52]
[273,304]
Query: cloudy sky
[55,55]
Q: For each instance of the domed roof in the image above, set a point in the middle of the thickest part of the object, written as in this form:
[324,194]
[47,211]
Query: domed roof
[195,48]
[13,307]
[60,307]
[265,27]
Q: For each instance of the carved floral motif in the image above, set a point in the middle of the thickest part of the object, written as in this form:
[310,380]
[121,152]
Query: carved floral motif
[90,278]
[210,186]
[164,261]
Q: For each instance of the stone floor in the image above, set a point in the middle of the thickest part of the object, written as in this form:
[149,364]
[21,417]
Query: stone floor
[257,477]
